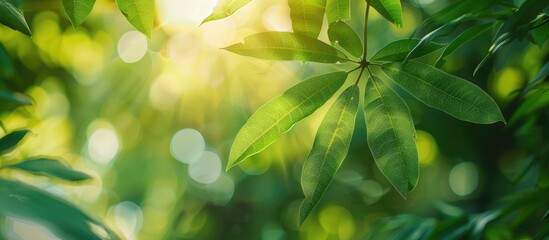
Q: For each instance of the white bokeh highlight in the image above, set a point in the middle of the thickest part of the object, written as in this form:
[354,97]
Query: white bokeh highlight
[132,46]
[187,145]
[207,169]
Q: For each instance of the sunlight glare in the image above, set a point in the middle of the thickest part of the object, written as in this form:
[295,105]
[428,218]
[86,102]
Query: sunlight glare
[132,46]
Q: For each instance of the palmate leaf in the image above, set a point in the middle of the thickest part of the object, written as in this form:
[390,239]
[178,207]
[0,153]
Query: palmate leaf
[63,218]
[225,8]
[140,13]
[338,10]
[49,167]
[307,16]
[346,37]
[12,17]
[391,135]
[329,149]
[280,114]
[445,92]
[287,46]
[466,36]
[398,50]
[78,10]
[11,140]
[389,9]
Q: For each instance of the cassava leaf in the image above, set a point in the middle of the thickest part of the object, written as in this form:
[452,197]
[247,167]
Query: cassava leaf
[225,8]
[440,90]
[78,10]
[140,13]
[389,9]
[11,140]
[49,167]
[466,36]
[287,46]
[12,17]
[307,16]
[346,37]
[391,135]
[280,114]
[398,50]
[63,218]
[338,10]
[329,149]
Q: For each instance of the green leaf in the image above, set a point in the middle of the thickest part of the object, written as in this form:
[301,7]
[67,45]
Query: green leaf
[14,98]
[13,18]
[389,9]
[329,149]
[391,135]
[457,9]
[287,46]
[534,103]
[462,39]
[140,13]
[346,37]
[541,34]
[6,66]
[78,10]
[225,8]
[49,167]
[307,16]
[542,74]
[338,10]
[11,140]
[441,31]
[63,218]
[445,92]
[279,115]
[398,50]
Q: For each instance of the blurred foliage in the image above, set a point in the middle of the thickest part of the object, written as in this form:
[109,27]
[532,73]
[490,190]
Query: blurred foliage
[151,122]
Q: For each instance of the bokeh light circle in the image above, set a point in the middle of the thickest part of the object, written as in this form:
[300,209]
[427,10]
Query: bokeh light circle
[207,169]
[132,46]
[464,178]
[187,145]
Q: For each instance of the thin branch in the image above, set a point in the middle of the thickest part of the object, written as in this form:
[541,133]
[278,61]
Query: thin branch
[366,30]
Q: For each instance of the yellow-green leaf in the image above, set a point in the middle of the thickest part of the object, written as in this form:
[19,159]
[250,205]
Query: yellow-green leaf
[391,135]
[280,114]
[389,9]
[140,13]
[78,10]
[338,10]
[307,16]
[329,149]
[225,8]
[346,37]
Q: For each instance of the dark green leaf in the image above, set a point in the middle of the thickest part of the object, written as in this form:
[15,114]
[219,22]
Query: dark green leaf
[541,34]
[78,10]
[11,140]
[462,39]
[280,114]
[346,37]
[338,10]
[225,8]
[307,16]
[391,135]
[49,167]
[457,9]
[329,149]
[398,50]
[14,98]
[535,102]
[542,74]
[63,218]
[140,13]
[6,65]
[389,9]
[445,92]
[12,17]
[287,46]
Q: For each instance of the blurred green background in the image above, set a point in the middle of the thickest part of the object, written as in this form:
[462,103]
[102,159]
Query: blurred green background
[153,120]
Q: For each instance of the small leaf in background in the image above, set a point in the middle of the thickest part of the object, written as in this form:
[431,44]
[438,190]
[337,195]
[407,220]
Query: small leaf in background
[329,149]
[13,18]
[287,46]
[542,74]
[457,9]
[6,65]
[440,90]
[11,140]
[140,13]
[535,102]
[391,135]
[466,36]
[49,167]
[346,37]
[307,16]
[280,114]
[398,50]
[225,8]
[443,30]
[541,34]
[78,10]
[338,10]
[63,218]
[389,9]
[14,98]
